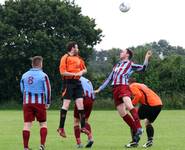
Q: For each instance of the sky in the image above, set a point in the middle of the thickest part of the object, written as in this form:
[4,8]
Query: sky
[146,21]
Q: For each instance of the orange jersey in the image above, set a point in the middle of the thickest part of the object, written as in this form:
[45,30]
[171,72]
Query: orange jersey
[144,95]
[72,64]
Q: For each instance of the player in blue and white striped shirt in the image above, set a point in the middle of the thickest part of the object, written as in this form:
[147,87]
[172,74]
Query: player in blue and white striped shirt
[88,101]
[35,86]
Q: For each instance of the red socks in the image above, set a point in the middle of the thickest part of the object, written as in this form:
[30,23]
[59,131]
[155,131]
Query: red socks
[43,135]
[26,136]
[88,127]
[77,134]
[127,118]
[136,118]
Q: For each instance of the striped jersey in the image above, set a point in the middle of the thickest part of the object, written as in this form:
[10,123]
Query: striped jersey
[35,86]
[87,88]
[121,73]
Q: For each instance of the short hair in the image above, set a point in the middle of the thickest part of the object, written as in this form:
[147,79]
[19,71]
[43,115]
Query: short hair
[129,51]
[36,60]
[71,45]
[132,80]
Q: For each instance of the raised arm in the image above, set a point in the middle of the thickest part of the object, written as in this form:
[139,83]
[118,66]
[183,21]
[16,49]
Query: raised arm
[142,68]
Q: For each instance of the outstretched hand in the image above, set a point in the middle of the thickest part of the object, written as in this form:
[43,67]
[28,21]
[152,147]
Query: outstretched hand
[148,54]
[96,91]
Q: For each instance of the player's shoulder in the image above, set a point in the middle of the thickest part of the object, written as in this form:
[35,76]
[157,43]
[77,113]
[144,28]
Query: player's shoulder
[42,73]
[25,74]
[135,84]
[65,56]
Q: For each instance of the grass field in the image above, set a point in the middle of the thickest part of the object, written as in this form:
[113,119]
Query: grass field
[110,133]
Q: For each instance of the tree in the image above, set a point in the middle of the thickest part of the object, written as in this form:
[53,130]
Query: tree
[40,27]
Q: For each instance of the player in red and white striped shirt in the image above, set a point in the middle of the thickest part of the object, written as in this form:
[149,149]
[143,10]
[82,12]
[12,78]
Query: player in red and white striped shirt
[121,93]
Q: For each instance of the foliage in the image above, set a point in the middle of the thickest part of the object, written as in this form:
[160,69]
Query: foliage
[40,27]
[165,75]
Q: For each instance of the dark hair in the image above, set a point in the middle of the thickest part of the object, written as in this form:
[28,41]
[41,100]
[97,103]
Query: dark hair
[36,60]
[131,80]
[129,51]
[71,45]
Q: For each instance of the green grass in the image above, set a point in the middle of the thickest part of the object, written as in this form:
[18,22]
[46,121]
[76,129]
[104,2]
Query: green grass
[110,132]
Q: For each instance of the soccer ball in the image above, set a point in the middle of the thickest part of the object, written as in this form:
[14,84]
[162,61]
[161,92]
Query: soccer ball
[124,7]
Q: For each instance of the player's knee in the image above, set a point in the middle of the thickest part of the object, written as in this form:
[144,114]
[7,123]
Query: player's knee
[79,104]
[147,122]
[43,124]
[66,104]
[27,126]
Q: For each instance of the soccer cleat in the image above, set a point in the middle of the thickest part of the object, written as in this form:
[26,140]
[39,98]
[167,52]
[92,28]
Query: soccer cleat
[148,144]
[61,132]
[27,149]
[89,144]
[42,147]
[131,144]
[79,146]
[84,130]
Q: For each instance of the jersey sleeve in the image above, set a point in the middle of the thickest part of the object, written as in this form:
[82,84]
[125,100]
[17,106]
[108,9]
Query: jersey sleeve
[22,85]
[82,64]
[105,83]
[136,94]
[62,67]
[47,90]
[140,68]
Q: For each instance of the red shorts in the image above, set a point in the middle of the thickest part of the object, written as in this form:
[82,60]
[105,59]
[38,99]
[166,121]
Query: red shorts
[88,105]
[120,91]
[32,111]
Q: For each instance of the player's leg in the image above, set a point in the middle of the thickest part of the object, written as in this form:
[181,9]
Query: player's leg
[43,134]
[26,134]
[150,133]
[79,101]
[41,118]
[63,113]
[130,122]
[126,117]
[90,135]
[77,129]
[88,105]
[67,95]
[80,107]
[152,113]
[28,118]
[130,107]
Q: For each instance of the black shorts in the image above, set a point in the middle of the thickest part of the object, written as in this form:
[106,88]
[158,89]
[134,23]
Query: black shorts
[149,112]
[72,89]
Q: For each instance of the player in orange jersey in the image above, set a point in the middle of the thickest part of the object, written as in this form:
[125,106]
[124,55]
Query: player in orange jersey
[149,109]
[71,68]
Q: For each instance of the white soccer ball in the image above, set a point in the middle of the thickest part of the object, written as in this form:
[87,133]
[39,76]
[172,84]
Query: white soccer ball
[124,7]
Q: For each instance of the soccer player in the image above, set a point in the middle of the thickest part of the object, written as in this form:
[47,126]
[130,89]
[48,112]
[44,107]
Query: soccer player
[89,98]
[35,86]
[121,93]
[71,68]
[149,109]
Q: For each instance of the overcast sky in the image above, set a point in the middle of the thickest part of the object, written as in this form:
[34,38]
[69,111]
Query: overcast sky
[147,21]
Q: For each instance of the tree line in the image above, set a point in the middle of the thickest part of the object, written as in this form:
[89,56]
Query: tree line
[44,27]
